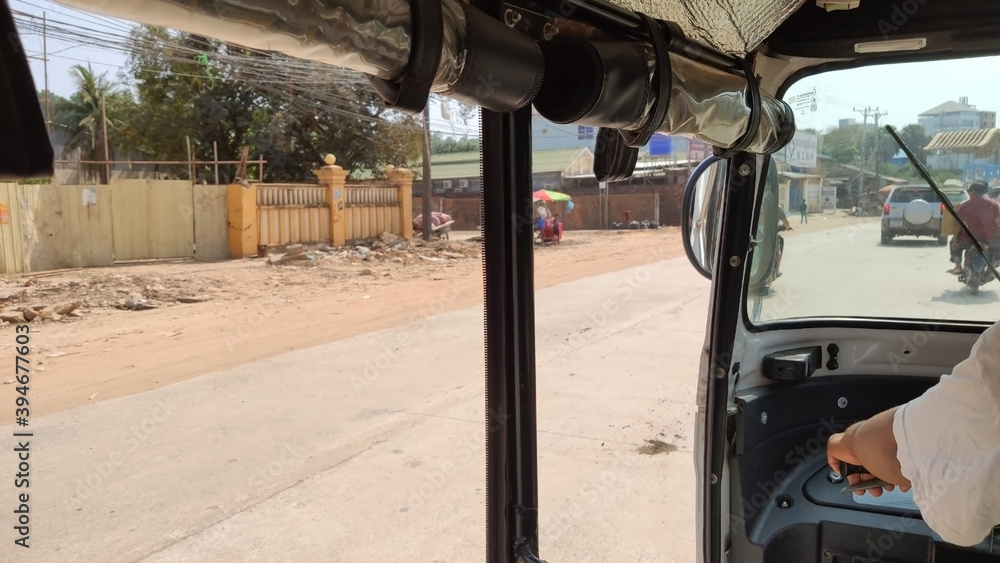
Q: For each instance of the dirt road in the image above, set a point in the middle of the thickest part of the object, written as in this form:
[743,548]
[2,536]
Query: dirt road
[253,310]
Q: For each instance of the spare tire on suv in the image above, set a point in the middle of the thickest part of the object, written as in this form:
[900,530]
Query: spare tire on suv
[912,210]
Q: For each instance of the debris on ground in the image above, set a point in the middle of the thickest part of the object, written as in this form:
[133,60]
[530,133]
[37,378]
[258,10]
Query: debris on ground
[72,295]
[654,447]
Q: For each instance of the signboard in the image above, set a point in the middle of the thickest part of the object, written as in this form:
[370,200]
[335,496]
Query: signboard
[697,150]
[89,196]
[4,214]
[828,198]
[801,150]
[989,173]
[661,145]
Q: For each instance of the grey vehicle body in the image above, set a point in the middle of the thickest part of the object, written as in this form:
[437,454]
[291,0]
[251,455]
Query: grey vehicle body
[912,210]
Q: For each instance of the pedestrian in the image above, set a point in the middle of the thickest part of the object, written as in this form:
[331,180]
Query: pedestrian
[803,213]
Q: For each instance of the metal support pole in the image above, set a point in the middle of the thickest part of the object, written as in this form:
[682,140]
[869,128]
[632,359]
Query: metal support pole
[426,197]
[107,151]
[190,159]
[508,258]
[45,64]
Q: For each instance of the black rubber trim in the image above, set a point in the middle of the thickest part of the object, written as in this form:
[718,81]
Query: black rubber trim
[723,320]
[664,84]
[756,107]
[614,161]
[427,38]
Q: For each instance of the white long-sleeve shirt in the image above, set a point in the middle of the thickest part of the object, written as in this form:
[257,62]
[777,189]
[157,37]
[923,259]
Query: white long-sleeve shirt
[949,446]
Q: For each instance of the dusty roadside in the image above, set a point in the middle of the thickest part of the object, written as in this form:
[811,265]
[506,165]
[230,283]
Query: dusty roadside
[247,310]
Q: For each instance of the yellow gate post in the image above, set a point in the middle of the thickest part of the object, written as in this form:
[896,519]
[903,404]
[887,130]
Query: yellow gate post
[243,228]
[402,180]
[335,178]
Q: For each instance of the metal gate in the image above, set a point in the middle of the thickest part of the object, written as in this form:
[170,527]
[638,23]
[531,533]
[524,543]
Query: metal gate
[152,219]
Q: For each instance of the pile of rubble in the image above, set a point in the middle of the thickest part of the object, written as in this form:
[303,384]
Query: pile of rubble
[387,248]
[57,297]
[36,299]
[40,313]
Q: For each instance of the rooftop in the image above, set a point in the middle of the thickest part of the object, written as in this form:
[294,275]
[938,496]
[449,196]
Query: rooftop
[982,142]
[948,106]
[467,164]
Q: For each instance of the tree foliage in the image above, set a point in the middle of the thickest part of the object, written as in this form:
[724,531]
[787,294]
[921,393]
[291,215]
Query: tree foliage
[191,87]
[854,144]
[443,144]
[97,105]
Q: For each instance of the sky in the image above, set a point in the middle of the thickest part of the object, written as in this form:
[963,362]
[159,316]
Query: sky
[902,91]
[899,90]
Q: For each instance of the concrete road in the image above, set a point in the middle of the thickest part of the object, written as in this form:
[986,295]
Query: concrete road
[845,271]
[371,448]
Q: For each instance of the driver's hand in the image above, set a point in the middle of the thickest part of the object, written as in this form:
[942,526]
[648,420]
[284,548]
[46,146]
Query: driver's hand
[837,451]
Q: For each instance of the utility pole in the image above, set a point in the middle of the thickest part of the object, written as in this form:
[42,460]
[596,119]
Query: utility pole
[864,160]
[428,223]
[878,138]
[45,65]
[107,153]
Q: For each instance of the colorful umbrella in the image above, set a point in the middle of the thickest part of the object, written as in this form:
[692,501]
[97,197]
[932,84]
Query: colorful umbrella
[549,195]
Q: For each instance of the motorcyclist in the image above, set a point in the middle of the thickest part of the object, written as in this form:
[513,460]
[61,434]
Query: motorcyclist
[981,214]
[779,247]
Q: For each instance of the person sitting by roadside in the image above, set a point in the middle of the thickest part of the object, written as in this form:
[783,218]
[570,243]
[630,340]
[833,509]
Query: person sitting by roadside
[981,215]
[542,213]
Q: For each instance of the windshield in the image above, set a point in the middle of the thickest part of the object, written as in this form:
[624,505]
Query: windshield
[866,236]
[906,195]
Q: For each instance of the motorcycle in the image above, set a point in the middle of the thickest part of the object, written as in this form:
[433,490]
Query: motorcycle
[975,270]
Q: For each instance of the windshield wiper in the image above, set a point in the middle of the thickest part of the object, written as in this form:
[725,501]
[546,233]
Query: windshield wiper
[944,199]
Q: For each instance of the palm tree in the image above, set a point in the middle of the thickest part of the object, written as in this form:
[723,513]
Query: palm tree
[79,117]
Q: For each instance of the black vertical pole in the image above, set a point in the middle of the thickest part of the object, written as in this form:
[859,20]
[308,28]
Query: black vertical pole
[508,257]
[508,246]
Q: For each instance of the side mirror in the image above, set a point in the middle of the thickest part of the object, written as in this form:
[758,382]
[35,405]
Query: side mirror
[701,213]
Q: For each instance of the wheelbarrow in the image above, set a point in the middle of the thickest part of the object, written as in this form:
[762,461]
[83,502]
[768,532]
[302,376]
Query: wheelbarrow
[441,231]
[441,224]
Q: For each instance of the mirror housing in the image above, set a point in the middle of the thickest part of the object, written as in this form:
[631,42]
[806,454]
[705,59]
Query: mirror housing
[701,211]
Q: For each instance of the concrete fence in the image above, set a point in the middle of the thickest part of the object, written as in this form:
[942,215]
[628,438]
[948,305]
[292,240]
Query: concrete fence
[654,203]
[331,211]
[54,226]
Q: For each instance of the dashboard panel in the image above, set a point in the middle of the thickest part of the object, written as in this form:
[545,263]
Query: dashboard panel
[786,504]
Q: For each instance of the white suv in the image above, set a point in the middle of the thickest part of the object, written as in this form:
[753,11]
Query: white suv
[912,210]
